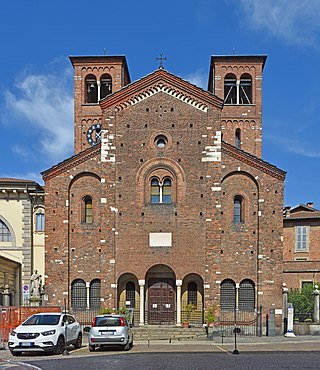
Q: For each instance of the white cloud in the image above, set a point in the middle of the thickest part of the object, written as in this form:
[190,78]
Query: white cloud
[296,21]
[198,78]
[293,145]
[45,104]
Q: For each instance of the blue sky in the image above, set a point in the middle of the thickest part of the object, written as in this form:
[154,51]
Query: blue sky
[36,77]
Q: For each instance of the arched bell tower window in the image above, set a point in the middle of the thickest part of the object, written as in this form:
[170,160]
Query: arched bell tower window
[91,89]
[245,93]
[105,86]
[237,209]
[87,210]
[230,89]
[160,191]
[238,92]
[238,138]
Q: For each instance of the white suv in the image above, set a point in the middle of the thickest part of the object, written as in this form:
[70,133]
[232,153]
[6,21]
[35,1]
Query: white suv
[46,332]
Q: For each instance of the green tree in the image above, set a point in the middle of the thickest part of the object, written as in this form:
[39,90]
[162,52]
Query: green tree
[302,300]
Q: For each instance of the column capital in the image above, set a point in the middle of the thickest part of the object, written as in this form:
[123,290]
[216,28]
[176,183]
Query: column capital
[142,282]
[178,282]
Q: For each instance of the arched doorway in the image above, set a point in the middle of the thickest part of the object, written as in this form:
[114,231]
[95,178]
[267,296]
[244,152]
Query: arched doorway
[161,295]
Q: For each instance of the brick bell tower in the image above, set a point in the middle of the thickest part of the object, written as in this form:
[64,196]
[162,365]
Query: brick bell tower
[237,79]
[95,77]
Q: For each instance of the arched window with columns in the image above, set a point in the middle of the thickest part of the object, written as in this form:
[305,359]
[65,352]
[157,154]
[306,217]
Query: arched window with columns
[161,191]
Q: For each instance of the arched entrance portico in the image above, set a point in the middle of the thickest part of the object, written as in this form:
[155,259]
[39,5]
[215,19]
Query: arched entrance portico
[161,295]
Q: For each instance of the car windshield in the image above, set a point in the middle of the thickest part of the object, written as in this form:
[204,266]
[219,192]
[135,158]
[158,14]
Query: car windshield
[108,321]
[42,320]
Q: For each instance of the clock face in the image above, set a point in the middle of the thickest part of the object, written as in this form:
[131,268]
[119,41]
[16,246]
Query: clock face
[94,134]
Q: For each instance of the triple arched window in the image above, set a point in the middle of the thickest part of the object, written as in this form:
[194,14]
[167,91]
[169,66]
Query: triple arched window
[238,91]
[97,89]
[160,191]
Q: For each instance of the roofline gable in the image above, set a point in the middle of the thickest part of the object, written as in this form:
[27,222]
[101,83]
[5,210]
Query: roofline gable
[253,161]
[71,162]
[160,78]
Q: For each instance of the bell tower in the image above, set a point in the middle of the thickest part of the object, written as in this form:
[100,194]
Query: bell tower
[237,79]
[95,78]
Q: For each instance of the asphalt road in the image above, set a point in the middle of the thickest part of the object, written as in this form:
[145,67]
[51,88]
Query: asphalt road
[183,361]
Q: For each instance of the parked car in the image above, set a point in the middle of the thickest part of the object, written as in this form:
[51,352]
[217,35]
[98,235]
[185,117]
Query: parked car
[110,330]
[46,332]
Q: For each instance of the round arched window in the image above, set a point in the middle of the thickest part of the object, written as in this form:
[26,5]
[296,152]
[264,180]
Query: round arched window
[161,141]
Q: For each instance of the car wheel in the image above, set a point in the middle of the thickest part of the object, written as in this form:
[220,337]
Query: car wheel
[91,348]
[15,353]
[59,347]
[78,343]
[126,347]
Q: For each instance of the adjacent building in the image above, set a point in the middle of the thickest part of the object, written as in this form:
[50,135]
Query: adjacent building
[21,238]
[301,256]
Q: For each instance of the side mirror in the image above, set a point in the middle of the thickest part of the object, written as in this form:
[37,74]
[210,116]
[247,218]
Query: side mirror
[62,324]
[86,329]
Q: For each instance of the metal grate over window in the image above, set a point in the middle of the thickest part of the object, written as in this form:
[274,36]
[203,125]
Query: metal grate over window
[228,295]
[78,294]
[246,295]
[192,293]
[130,294]
[95,293]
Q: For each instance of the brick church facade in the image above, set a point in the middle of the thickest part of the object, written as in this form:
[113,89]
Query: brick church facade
[166,199]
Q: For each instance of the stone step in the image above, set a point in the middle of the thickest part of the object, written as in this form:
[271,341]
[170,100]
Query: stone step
[154,332]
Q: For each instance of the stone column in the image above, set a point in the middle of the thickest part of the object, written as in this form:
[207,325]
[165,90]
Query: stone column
[178,285]
[6,295]
[88,294]
[141,284]
[99,89]
[284,307]
[316,316]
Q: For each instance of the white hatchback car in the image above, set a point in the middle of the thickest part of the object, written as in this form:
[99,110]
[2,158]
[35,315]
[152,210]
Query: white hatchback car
[110,330]
[46,332]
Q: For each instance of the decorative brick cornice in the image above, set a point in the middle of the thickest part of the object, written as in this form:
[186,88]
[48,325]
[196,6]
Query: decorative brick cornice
[253,161]
[161,81]
[71,162]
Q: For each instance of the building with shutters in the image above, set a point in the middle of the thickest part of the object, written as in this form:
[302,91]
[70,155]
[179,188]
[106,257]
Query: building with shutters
[167,199]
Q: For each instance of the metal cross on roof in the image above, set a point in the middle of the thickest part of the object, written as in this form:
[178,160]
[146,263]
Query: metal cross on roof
[161,60]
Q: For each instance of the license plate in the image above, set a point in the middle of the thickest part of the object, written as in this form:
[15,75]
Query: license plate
[26,344]
[107,332]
